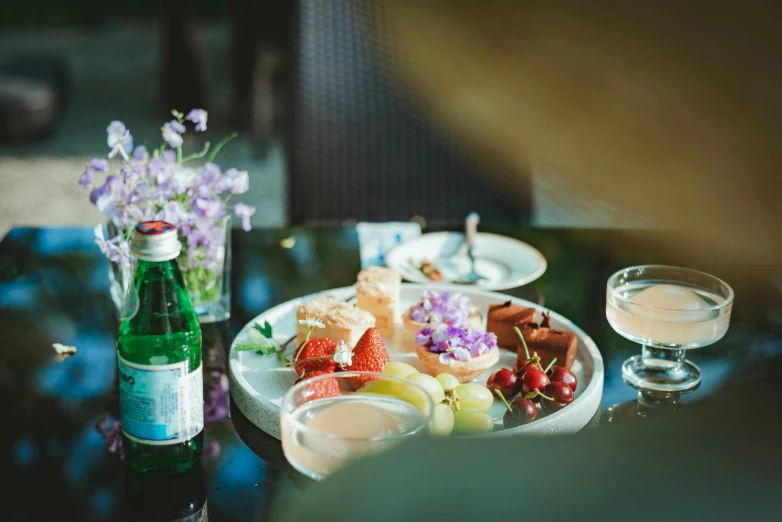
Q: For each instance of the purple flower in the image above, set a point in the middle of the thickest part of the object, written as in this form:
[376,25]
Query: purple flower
[455,343]
[199,117]
[208,207]
[182,179]
[105,197]
[208,178]
[216,397]
[85,180]
[111,430]
[174,212]
[171,134]
[234,181]
[98,165]
[119,139]
[436,307]
[244,212]
[140,154]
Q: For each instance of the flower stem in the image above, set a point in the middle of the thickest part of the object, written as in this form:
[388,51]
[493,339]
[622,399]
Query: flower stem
[179,154]
[220,145]
[198,154]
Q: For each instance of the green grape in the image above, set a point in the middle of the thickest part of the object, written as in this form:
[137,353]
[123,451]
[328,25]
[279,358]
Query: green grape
[377,387]
[474,395]
[399,369]
[443,420]
[414,396]
[469,421]
[430,384]
[447,381]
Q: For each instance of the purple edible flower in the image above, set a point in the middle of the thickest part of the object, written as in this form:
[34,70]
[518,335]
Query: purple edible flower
[455,343]
[199,117]
[436,307]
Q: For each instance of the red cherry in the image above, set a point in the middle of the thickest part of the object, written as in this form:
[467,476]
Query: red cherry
[534,379]
[563,375]
[504,381]
[561,394]
[551,406]
[522,411]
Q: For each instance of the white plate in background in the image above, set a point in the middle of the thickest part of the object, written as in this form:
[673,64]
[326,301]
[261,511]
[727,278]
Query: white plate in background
[504,262]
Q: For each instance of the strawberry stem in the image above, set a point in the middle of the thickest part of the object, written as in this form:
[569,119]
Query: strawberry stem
[502,398]
[550,365]
[523,342]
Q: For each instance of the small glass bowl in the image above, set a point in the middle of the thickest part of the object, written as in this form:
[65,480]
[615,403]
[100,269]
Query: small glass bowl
[666,331]
[372,413]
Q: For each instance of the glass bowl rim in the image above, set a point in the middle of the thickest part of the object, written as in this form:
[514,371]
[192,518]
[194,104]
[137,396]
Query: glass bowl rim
[612,289]
[288,398]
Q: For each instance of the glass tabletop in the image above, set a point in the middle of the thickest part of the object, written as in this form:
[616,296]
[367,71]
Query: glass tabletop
[58,425]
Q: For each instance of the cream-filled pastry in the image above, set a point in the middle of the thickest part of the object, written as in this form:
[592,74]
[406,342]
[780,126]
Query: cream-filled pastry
[377,292]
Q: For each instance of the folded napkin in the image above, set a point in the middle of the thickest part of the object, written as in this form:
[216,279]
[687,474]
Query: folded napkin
[375,239]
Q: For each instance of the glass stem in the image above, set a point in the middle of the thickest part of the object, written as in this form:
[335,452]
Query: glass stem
[662,358]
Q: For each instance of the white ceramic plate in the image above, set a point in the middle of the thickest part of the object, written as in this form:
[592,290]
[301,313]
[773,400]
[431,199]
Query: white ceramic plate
[258,382]
[504,262]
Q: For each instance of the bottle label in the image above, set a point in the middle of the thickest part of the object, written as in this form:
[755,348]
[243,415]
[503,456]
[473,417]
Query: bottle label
[161,404]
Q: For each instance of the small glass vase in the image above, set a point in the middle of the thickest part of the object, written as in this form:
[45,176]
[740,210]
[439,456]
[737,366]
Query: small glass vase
[209,287]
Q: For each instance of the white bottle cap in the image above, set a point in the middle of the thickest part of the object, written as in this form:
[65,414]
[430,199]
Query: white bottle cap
[155,241]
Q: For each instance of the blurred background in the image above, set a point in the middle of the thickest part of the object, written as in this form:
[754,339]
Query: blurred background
[331,126]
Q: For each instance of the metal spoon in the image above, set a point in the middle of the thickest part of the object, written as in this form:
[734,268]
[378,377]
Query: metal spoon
[470,231]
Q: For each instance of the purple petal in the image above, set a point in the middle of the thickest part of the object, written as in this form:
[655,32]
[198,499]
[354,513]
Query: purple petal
[199,117]
[98,164]
[85,180]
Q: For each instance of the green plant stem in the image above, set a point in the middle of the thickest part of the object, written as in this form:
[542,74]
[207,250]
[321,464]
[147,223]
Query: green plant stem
[220,145]
[550,365]
[197,155]
[179,154]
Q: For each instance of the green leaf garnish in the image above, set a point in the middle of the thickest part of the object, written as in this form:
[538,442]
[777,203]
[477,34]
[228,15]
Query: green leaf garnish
[259,340]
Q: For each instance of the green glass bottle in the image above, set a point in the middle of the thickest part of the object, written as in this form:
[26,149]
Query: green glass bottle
[160,371]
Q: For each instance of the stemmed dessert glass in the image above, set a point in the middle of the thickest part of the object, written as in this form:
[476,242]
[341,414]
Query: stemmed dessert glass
[322,434]
[668,310]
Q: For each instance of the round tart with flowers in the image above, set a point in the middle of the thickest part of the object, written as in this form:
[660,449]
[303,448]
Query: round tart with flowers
[438,307]
[460,350]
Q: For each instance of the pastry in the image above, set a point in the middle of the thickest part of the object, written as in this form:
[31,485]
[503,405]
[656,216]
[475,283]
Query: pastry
[438,307]
[459,350]
[548,343]
[346,323]
[377,292]
[503,317]
[318,308]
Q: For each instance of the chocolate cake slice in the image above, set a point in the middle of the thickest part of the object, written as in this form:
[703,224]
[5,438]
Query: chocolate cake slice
[549,343]
[503,317]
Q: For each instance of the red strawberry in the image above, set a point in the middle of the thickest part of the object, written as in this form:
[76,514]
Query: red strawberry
[369,355]
[322,389]
[313,349]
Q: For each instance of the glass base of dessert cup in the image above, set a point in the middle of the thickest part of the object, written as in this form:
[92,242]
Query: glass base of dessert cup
[661,370]
[649,405]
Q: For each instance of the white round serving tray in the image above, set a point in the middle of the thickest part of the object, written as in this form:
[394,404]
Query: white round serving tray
[258,382]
